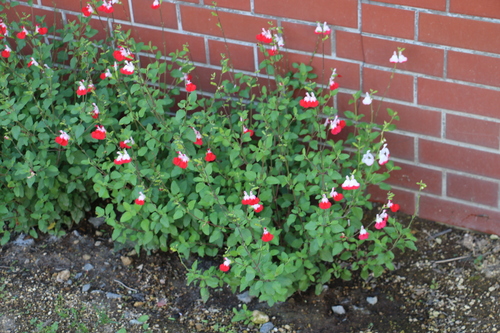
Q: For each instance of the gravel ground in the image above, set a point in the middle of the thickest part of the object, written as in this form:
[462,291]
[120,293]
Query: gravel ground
[80,283]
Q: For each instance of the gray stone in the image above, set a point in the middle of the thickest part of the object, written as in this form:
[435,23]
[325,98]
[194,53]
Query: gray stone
[86,287]
[338,309]
[259,317]
[20,241]
[266,328]
[88,267]
[372,300]
[96,221]
[245,297]
[113,296]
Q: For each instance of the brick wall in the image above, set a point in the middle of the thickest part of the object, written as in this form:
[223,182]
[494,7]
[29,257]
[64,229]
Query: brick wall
[447,94]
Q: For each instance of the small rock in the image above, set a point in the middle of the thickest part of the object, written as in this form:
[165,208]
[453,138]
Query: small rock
[372,300]
[360,309]
[69,282]
[86,257]
[98,243]
[98,233]
[245,297]
[137,304]
[132,253]
[266,328]
[78,275]
[96,221]
[88,267]
[338,309]
[135,322]
[113,295]
[259,317]
[126,261]
[20,241]
[63,276]
[86,287]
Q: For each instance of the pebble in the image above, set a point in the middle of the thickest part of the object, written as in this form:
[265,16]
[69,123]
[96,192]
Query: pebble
[372,300]
[245,297]
[137,304]
[126,261]
[98,233]
[20,241]
[88,267]
[96,221]
[113,295]
[63,276]
[259,317]
[266,328]
[86,257]
[338,309]
[86,287]
[98,243]
[78,275]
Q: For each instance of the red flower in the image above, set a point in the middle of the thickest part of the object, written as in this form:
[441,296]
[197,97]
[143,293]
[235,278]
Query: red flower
[336,196]
[87,10]
[123,54]
[22,34]
[246,130]
[63,138]
[350,184]
[155,4]
[265,36]
[325,203]
[209,156]
[273,51]
[81,91]
[90,87]
[363,234]
[140,199]
[226,265]
[182,160]
[128,69]
[95,112]
[190,86]
[99,133]
[3,29]
[106,7]
[381,220]
[123,157]
[322,30]
[267,236]
[394,207]
[6,52]
[258,208]
[199,138]
[336,125]
[106,74]
[33,62]
[41,30]
[124,144]
[309,101]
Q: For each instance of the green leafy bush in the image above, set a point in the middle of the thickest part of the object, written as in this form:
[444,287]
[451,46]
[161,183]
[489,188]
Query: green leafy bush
[190,159]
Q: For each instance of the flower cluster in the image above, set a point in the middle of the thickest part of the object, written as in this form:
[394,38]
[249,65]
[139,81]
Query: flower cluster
[252,201]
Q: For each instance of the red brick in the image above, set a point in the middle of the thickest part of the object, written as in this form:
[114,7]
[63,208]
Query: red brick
[471,189]
[401,146]
[388,21]
[334,12]
[474,68]
[421,59]
[405,199]
[475,131]
[412,119]
[401,86]
[168,42]
[121,10]
[165,16]
[458,97]
[235,26]
[14,13]
[484,8]
[428,4]
[238,4]
[323,68]
[298,37]
[453,31]
[410,175]
[97,23]
[459,158]
[240,56]
[460,215]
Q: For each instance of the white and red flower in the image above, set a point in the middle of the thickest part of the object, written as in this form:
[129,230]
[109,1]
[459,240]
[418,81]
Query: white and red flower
[265,36]
[309,101]
[257,207]
[249,199]
[95,111]
[6,51]
[22,34]
[383,155]
[199,137]
[81,91]
[87,10]
[63,138]
[335,195]
[273,50]
[123,54]
[246,130]
[381,220]
[41,30]
[267,236]
[33,62]
[106,7]
[336,125]
[226,265]
[333,85]
[368,158]
[99,133]
[209,156]
[181,161]
[123,157]
[363,234]
[325,203]
[140,200]
[350,183]
[322,30]
[3,29]
[394,207]
[128,69]
[124,144]
[367,100]
[155,4]
[398,58]
[106,74]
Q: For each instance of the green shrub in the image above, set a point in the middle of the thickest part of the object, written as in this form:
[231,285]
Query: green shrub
[264,140]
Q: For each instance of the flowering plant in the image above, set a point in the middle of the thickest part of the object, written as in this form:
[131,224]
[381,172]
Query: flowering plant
[270,179]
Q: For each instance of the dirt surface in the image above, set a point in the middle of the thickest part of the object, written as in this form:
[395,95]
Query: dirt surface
[80,283]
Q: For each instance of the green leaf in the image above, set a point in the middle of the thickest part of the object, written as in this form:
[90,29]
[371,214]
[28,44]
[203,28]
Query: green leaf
[272,180]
